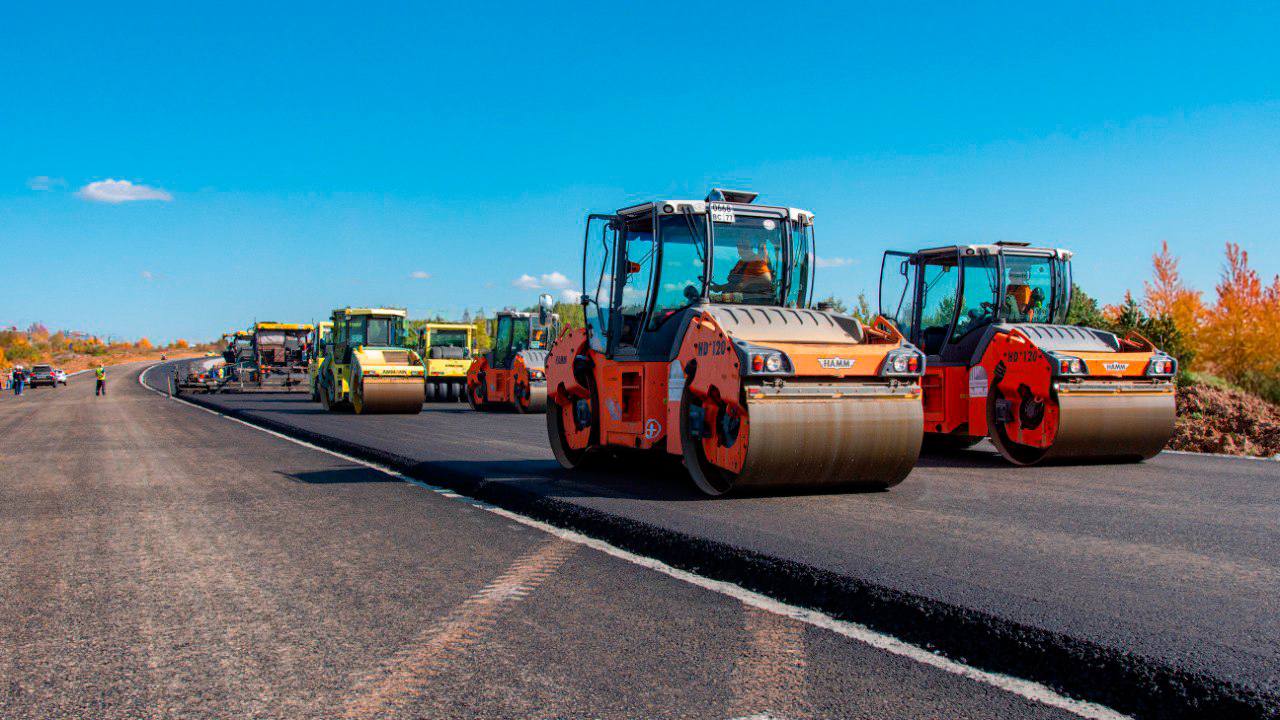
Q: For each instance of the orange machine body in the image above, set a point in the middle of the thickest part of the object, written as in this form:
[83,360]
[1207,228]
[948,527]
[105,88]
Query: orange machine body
[1035,387]
[700,342]
[512,375]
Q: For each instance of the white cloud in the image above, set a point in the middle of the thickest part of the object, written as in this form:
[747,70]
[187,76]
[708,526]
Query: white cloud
[121,191]
[554,280]
[832,262]
[420,275]
[570,296]
[526,282]
[147,275]
[44,182]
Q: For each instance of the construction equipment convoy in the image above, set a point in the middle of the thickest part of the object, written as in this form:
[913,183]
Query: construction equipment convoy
[368,366]
[446,352]
[513,373]
[699,341]
[320,338]
[1002,363]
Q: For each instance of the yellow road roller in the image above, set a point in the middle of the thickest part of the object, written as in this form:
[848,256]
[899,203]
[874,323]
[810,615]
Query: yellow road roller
[446,354]
[369,367]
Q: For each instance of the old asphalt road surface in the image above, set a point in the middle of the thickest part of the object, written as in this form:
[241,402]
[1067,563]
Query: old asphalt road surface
[157,560]
[1153,588]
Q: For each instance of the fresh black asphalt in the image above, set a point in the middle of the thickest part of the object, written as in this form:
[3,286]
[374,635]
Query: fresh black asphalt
[1152,587]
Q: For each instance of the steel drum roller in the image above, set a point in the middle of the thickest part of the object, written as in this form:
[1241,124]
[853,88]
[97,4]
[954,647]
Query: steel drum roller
[391,395]
[1103,426]
[871,442]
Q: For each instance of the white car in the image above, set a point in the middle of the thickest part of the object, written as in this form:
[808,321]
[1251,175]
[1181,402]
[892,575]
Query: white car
[60,377]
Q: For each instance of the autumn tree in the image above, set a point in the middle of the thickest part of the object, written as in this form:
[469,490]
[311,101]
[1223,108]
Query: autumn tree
[1167,296]
[1238,336]
[143,344]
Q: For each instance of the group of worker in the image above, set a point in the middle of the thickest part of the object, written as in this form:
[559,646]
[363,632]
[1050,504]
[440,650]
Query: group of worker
[17,380]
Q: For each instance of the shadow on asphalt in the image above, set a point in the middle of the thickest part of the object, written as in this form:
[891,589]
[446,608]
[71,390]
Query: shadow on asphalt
[352,475]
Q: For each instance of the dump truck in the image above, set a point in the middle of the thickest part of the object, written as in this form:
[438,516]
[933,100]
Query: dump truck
[320,340]
[446,350]
[1003,364]
[513,373]
[700,342]
[281,350]
[369,367]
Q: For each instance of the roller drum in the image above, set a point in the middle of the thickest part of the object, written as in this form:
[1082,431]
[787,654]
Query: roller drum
[1101,426]
[537,399]
[1113,426]
[870,442]
[397,396]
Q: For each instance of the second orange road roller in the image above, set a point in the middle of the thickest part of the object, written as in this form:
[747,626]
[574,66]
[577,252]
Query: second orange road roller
[513,373]
[699,342]
[1003,364]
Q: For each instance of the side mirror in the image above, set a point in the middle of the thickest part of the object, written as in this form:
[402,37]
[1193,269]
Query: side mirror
[545,303]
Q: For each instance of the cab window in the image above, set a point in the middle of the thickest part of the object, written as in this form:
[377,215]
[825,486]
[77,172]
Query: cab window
[939,279]
[636,268]
[502,341]
[683,266]
[801,252]
[977,298]
[1028,289]
[747,262]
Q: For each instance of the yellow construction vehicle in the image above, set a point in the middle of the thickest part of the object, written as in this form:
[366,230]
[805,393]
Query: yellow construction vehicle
[319,349]
[446,354]
[368,366]
[280,352]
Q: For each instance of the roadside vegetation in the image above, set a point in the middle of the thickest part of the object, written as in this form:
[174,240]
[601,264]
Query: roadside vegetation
[72,351]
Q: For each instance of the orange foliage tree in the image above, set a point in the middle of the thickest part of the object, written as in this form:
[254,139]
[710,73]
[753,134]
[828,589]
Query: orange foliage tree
[143,344]
[1238,338]
[1167,296]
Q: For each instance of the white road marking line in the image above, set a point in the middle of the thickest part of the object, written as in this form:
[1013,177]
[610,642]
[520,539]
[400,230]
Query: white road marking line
[407,674]
[1026,689]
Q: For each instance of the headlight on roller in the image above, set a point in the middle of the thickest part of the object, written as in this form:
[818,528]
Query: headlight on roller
[1162,366]
[763,361]
[1065,365]
[903,362]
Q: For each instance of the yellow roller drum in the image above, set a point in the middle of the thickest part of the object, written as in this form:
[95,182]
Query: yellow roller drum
[387,395]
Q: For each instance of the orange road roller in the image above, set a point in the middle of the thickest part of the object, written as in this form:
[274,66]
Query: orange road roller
[699,341]
[513,373]
[1003,364]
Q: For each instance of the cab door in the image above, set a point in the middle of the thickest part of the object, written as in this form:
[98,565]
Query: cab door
[898,292]
[598,261]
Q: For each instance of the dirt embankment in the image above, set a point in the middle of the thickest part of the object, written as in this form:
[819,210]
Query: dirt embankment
[1219,420]
[84,362]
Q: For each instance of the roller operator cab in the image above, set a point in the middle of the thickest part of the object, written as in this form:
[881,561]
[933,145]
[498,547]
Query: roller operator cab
[368,365]
[446,350]
[513,373]
[699,341]
[321,339]
[1003,364]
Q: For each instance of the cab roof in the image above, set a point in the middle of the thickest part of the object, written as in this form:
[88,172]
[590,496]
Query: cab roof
[283,326]
[998,248]
[351,312]
[740,200]
[448,326]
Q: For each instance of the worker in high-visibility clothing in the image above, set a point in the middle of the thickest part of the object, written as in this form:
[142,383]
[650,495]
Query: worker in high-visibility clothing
[101,375]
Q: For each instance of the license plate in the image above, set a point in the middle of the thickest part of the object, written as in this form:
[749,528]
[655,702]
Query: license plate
[721,213]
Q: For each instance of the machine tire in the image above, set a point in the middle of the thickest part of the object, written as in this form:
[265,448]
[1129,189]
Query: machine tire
[569,458]
[452,391]
[474,400]
[429,391]
[1014,452]
[711,480]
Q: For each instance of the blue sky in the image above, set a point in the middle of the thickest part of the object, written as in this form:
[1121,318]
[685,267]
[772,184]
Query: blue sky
[314,155]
